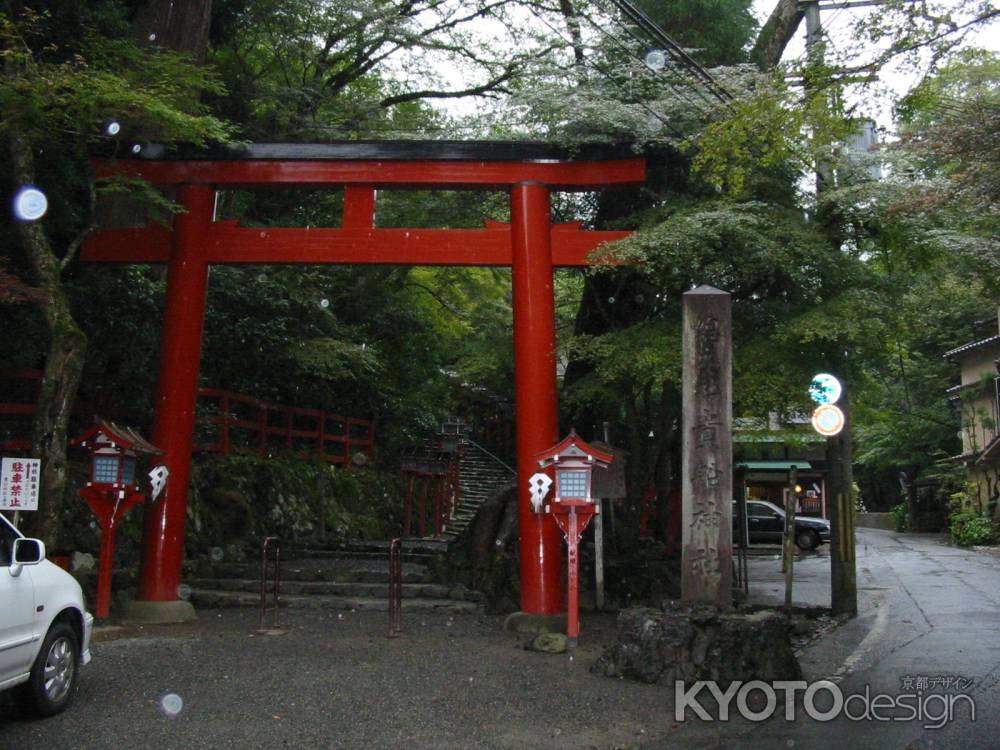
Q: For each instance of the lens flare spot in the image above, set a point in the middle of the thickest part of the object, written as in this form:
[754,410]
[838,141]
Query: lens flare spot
[171,704]
[656,59]
[30,203]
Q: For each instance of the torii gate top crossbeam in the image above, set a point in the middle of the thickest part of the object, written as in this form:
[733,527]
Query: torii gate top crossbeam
[396,164]
[361,168]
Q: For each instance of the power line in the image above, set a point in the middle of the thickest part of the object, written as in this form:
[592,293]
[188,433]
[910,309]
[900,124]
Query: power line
[637,38]
[678,52]
[587,60]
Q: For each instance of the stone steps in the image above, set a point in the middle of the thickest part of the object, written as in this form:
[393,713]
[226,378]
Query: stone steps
[353,590]
[341,570]
[231,599]
[479,476]
[354,576]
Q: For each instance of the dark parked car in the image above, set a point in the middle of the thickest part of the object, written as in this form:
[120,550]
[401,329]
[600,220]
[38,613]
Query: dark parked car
[766,524]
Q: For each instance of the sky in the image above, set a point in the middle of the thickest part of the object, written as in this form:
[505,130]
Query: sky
[896,79]
[870,102]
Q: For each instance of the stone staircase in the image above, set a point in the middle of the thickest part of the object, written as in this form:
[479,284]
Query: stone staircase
[480,476]
[346,579]
[355,576]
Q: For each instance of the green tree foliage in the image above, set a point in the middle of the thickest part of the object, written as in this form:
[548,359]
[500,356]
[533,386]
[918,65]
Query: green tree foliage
[926,232]
[65,75]
[303,69]
[716,32]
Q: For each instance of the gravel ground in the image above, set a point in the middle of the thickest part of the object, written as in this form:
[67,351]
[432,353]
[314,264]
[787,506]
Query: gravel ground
[334,680]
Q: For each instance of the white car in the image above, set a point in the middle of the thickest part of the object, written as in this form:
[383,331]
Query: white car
[44,625]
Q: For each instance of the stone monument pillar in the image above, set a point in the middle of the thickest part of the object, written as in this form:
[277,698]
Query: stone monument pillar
[707,458]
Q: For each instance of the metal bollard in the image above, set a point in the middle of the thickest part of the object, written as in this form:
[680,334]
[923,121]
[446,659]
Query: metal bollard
[395,587]
[271,543]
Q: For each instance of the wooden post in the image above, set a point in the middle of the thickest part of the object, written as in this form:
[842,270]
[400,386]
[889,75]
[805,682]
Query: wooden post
[599,541]
[707,455]
[788,547]
[843,573]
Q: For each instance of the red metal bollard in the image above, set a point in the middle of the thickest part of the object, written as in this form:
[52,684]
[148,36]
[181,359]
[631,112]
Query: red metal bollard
[270,543]
[395,587]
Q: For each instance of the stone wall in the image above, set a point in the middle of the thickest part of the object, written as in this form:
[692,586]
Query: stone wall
[691,643]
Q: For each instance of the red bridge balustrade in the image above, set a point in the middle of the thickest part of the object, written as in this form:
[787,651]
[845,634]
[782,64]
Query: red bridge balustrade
[229,423]
[244,424]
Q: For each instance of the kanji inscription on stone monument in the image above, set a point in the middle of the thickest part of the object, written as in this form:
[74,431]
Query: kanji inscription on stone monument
[707,477]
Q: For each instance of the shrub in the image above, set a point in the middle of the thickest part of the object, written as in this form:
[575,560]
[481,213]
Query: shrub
[968,529]
[899,517]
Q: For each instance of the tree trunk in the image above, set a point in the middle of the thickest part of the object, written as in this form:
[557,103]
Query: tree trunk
[63,366]
[775,34]
[180,25]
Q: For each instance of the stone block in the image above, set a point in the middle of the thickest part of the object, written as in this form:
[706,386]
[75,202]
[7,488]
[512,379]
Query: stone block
[691,643]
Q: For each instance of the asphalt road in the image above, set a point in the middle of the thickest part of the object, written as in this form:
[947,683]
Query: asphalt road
[337,682]
[927,611]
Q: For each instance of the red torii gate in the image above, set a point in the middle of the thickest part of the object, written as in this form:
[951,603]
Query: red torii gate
[530,244]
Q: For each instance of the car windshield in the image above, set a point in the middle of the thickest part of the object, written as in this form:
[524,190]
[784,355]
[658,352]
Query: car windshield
[761,508]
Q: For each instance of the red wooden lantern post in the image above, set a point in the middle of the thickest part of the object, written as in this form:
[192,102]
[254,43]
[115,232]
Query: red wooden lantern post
[112,491]
[572,507]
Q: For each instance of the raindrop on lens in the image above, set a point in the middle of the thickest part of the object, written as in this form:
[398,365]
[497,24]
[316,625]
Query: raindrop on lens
[184,592]
[152,37]
[216,554]
[656,59]
[262,278]
[611,300]
[324,303]
[113,128]
[30,203]
[136,148]
[172,704]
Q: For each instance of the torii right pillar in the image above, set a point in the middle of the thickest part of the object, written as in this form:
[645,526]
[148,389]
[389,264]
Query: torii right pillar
[707,453]
[535,392]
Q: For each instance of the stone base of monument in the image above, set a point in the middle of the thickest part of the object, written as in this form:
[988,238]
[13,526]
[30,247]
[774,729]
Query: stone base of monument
[691,643]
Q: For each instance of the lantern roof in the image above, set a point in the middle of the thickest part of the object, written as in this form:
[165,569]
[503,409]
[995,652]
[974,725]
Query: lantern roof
[120,435]
[573,447]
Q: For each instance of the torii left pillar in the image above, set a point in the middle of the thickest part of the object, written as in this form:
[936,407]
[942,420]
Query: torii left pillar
[157,597]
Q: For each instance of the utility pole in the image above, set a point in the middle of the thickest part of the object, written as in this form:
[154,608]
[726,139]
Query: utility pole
[843,572]
[816,57]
